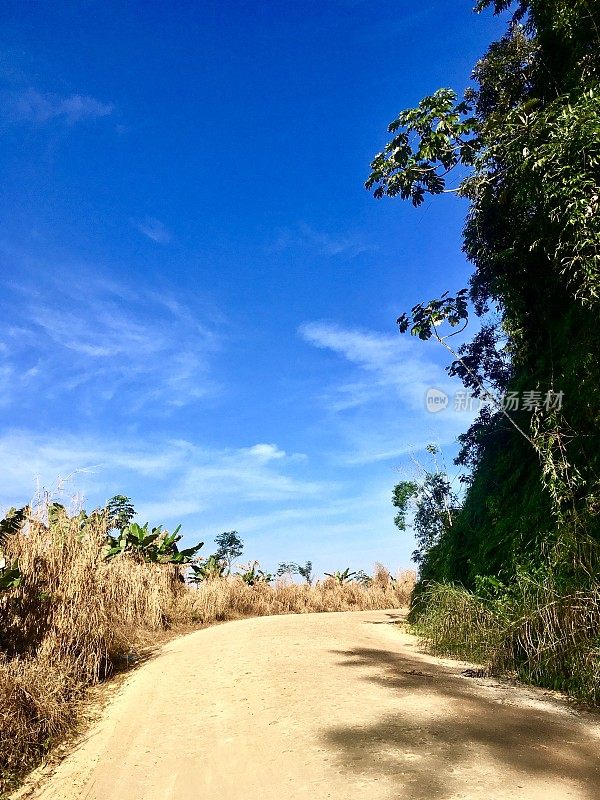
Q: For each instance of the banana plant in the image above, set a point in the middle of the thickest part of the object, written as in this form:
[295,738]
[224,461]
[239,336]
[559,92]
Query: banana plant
[59,519]
[341,577]
[157,545]
[10,574]
[168,552]
[207,570]
[133,538]
[12,522]
[252,574]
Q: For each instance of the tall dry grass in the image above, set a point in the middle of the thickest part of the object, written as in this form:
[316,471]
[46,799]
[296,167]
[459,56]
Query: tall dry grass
[230,598]
[537,632]
[76,617]
[73,619]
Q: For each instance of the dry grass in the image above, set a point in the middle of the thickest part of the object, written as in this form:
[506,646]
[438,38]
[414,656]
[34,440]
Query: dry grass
[76,617]
[554,640]
[537,632]
[223,599]
[73,619]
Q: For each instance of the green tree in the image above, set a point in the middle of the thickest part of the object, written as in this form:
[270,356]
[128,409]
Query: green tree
[292,568]
[229,547]
[364,579]
[286,568]
[404,492]
[306,571]
[120,511]
[433,503]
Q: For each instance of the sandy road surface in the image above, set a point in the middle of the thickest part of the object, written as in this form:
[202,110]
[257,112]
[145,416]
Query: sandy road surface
[324,706]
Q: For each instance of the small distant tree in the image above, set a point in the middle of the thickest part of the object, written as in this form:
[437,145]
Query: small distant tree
[120,511]
[306,572]
[286,568]
[362,578]
[434,502]
[229,547]
[291,568]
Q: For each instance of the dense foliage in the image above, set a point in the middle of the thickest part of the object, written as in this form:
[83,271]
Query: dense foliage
[523,146]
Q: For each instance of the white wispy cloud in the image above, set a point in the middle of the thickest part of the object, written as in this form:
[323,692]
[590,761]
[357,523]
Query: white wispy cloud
[270,496]
[378,405]
[154,229]
[370,350]
[32,106]
[168,478]
[384,362]
[304,237]
[266,452]
[142,349]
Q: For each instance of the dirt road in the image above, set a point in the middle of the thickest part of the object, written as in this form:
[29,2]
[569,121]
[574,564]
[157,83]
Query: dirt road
[325,706]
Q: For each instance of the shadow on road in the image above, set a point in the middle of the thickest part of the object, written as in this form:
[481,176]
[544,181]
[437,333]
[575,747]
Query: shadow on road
[448,728]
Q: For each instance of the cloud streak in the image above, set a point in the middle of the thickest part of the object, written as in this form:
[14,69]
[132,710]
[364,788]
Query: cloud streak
[303,237]
[38,108]
[142,350]
[382,363]
[378,406]
[173,477]
[155,230]
[269,495]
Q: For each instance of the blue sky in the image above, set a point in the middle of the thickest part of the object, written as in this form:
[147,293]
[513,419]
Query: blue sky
[198,294]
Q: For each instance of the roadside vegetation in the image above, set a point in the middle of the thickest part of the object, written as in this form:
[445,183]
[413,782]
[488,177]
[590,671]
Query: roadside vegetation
[533,630]
[84,596]
[510,563]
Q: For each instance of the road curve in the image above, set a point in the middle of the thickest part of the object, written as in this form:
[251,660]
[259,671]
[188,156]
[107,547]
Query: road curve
[324,706]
